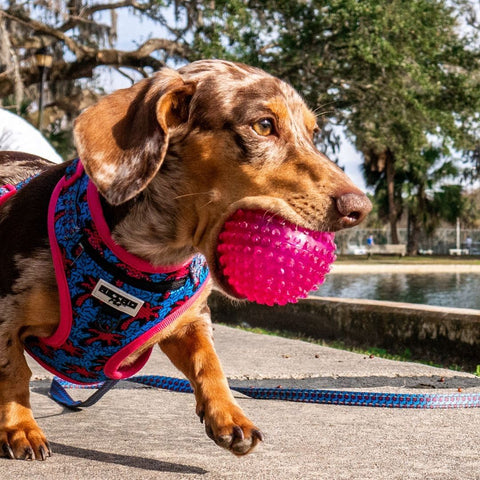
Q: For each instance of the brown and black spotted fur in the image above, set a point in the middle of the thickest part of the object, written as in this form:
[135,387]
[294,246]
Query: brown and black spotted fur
[173,157]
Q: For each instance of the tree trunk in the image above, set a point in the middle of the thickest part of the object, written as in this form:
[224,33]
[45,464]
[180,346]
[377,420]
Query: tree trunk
[392,207]
[413,234]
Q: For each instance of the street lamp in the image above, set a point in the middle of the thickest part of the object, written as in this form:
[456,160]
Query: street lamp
[44,62]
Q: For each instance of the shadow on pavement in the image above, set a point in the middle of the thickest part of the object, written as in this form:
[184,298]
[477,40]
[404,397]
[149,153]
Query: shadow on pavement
[126,460]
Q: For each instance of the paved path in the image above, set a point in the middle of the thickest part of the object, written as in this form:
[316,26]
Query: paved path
[137,433]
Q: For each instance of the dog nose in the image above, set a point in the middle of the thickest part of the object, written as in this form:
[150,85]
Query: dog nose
[353,208]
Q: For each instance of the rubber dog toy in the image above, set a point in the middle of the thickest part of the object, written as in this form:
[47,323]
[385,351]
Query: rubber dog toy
[269,260]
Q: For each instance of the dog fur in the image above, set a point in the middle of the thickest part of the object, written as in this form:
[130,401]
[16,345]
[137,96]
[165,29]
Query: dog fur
[173,157]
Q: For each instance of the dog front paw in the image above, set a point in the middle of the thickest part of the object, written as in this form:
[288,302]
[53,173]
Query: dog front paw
[23,440]
[229,428]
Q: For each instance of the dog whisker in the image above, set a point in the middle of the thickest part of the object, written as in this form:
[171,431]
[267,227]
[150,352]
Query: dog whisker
[208,203]
[192,194]
[324,105]
[324,112]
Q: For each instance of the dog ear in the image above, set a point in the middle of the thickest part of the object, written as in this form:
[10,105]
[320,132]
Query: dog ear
[123,139]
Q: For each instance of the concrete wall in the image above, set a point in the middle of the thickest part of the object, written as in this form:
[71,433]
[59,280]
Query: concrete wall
[444,335]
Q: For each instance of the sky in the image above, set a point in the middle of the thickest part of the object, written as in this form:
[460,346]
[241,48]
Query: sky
[133,30]
[351,160]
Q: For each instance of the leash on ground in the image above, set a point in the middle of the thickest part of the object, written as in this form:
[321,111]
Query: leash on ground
[327,397]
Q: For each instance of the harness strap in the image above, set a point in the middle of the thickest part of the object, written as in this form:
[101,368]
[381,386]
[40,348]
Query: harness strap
[325,397]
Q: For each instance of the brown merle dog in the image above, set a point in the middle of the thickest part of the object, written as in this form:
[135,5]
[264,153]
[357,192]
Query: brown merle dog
[173,157]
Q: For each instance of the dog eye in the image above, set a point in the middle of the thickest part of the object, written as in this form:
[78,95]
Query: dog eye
[263,127]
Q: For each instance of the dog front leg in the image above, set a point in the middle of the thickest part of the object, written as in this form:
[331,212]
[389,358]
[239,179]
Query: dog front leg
[20,436]
[191,350]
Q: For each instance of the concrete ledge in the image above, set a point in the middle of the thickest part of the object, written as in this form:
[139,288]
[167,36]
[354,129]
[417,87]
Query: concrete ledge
[444,335]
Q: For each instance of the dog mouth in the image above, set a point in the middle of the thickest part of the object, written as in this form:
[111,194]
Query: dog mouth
[264,258]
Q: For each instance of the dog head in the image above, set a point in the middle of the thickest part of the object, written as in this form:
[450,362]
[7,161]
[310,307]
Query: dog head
[195,145]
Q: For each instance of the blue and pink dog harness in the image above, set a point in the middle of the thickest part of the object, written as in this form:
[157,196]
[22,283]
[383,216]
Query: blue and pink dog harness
[111,302]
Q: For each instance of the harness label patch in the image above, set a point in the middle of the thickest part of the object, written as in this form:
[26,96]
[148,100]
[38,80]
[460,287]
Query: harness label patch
[117,298]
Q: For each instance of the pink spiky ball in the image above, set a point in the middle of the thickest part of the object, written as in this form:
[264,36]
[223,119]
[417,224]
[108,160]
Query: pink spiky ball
[269,260]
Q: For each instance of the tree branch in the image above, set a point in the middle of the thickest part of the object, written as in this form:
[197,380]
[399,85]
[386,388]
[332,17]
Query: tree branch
[81,17]
[78,50]
[137,59]
[113,6]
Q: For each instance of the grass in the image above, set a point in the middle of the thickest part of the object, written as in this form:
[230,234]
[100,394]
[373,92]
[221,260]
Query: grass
[405,356]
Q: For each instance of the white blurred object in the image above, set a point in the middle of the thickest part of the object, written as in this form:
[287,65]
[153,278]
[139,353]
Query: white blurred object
[18,135]
[356,250]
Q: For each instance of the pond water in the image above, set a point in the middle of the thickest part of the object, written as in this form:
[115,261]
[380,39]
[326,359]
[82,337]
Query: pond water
[457,290]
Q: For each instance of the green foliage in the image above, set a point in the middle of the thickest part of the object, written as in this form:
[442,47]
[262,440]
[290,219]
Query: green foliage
[430,200]
[9,104]
[470,215]
[61,140]
[401,76]
[222,33]
[376,218]
[449,202]
[397,73]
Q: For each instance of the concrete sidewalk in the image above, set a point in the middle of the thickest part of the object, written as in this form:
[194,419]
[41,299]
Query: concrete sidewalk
[141,433]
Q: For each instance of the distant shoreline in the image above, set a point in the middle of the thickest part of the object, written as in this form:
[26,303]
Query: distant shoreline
[423,268]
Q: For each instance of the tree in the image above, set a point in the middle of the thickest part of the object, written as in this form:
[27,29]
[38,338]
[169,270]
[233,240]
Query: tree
[81,37]
[470,215]
[399,74]
[430,200]
[425,93]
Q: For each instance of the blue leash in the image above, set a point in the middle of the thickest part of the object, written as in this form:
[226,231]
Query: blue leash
[330,397]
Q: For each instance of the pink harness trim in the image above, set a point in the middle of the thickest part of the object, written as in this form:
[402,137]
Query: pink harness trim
[11,190]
